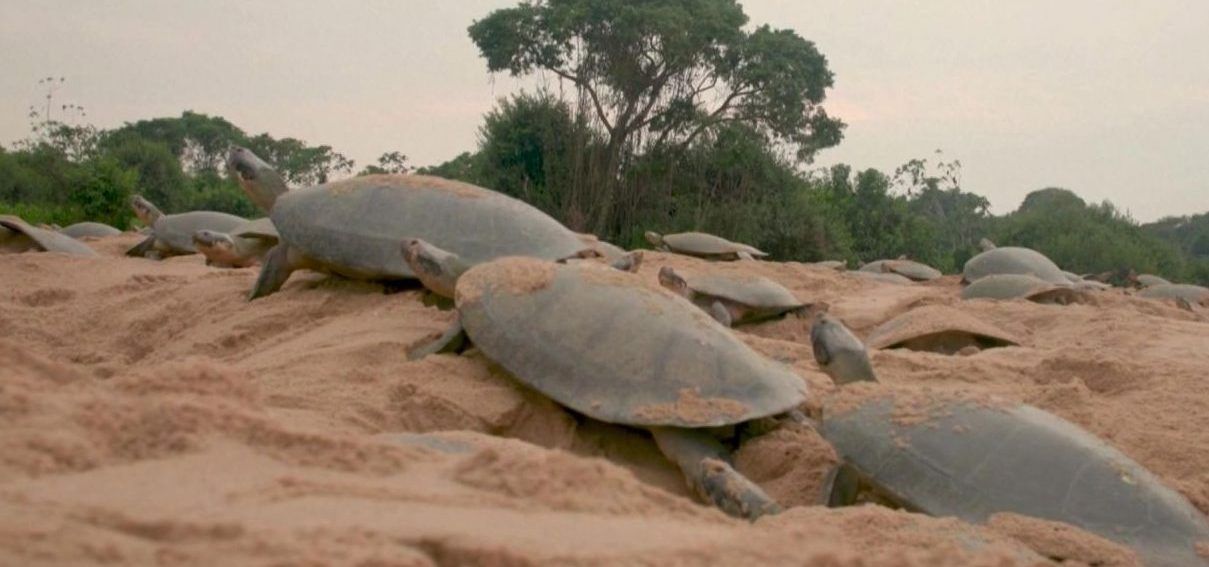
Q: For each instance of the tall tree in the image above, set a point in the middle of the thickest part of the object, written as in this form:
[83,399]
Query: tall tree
[656,72]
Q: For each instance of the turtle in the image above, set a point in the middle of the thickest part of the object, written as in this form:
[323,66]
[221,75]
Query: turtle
[244,246]
[16,235]
[259,180]
[986,244]
[838,352]
[837,265]
[940,329]
[1189,293]
[1012,260]
[1012,286]
[609,251]
[611,347]
[172,235]
[353,227]
[887,277]
[703,245]
[971,458]
[909,269]
[1150,280]
[733,300]
[89,230]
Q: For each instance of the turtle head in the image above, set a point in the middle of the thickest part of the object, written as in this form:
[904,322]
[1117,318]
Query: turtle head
[144,210]
[674,283]
[257,178]
[654,238]
[437,269]
[217,247]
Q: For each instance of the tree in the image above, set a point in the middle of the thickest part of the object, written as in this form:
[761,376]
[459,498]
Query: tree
[656,72]
[103,192]
[389,162]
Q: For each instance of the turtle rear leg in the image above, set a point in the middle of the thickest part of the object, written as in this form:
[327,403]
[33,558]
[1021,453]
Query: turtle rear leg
[720,313]
[705,465]
[452,340]
[276,268]
[743,255]
[141,249]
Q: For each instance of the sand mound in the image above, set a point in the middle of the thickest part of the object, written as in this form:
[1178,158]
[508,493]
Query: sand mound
[148,413]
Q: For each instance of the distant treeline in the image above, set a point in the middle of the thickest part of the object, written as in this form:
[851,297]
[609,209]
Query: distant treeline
[672,115]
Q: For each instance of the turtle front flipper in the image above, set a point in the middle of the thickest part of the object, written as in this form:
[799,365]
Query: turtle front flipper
[629,262]
[141,249]
[721,314]
[451,341]
[703,461]
[278,264]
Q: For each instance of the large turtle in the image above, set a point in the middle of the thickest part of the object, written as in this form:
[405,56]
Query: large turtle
[1012,286]
[909,269]
[172,235]
[353,227]
[938,328]
[1150,280]
[607,345]
[703,245]
[244,246]
[16,235]
[1192,294]
[89,229]
[1013,260]
[971,458]
[887,277]
[733,300]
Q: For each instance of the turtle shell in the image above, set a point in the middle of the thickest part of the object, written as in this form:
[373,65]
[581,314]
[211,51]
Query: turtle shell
[22,236]
[972,458]
[89,229]
[175,232]
[1194,294]
[887,277]
[751,291]
[355,226]
[604,343]
[909,269]
[1013,260]
[1150,280]
[1012,286]
[937,328]
[703,244]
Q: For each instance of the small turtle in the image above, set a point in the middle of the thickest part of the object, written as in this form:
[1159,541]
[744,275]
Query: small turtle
[244,246]
[16,235]
[972,458]
[886,277]
[609,346]
[938,328]
[172,235]
[1150,280]
[1192,294]
[986,244]
[838,352]
[1013,286]
[909,269]
[1012,260]
[733,300]
[837,265]
[703,245]
[89,230]
[353,227]
[608,251]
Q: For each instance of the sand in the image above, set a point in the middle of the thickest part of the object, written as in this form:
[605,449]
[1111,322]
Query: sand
[149,414]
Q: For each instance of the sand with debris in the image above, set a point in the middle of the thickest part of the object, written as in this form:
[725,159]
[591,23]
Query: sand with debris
[149,414]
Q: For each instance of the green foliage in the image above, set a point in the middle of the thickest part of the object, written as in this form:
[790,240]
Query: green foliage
[103,190]
[389,162]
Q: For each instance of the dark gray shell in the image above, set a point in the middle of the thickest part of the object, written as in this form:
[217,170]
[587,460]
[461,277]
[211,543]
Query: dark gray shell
[21,236]
[909,269]
[605,344]
[89,229]
[1013,260]
[703,244]
[1013,286]
[970,460]
[175,232]
[1192,293]
[355,227]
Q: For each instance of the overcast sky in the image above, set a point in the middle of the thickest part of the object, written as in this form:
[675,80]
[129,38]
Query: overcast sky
[1108,98]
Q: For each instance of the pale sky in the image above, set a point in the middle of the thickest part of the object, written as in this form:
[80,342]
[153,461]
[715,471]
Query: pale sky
[1109,98]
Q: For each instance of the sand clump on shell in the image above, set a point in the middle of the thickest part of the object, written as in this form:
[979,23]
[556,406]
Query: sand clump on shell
[148,413]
